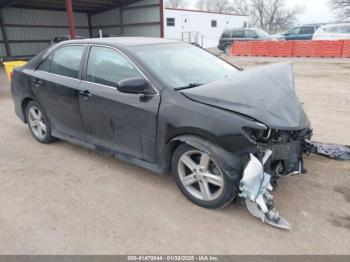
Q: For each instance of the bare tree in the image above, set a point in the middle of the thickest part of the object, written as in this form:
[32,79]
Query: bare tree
[219,6]
[177,3]
[342,8]
[274,14]
[258,12]
[241,7]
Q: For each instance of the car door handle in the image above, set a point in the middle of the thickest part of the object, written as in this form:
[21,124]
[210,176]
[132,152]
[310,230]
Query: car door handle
[86,94]
[37,82]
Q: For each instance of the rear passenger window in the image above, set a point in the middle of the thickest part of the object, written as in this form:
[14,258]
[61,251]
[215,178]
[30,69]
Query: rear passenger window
[107,66]
[66,61]
[238,34]
[226,34]
[307,30]
[45,66]
[249,34]
[345,29]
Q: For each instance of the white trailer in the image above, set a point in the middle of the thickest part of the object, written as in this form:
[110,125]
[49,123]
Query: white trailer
[204,28]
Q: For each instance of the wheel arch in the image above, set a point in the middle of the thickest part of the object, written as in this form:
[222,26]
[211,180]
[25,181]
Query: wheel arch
[230,163]
[24,105]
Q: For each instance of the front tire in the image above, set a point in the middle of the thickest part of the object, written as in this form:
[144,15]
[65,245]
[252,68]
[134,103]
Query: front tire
[200,179]
[38,123]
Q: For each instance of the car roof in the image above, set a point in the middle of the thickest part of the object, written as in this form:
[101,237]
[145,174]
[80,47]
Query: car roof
[123,41]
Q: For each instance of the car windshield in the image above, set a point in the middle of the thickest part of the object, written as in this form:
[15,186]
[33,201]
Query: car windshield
[183,65]
[261,33]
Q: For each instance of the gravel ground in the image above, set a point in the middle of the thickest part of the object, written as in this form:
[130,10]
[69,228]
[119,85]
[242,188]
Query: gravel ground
[64,199]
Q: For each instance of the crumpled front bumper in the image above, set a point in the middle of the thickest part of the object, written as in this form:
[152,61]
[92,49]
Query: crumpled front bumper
[256,189]
[286,159]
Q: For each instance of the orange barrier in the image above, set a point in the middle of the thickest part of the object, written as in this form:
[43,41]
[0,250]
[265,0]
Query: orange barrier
[346,49]
[280,48]
[329,48]
[339,48]
[260,48]
[242,48]
[304,49]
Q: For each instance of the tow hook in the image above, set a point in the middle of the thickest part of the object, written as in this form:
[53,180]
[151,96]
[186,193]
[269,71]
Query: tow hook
[256,189]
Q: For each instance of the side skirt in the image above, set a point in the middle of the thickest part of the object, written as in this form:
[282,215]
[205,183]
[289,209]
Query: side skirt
[157,168]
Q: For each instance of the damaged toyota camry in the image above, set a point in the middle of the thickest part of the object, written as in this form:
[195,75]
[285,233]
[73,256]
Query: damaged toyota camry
[169,106]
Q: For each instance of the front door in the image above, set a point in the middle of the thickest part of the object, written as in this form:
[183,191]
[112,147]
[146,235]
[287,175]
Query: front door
[56,86]
[117,122]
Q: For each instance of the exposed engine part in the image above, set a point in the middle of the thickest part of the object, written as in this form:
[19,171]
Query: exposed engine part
[338,152]
[255,187]
[275,136]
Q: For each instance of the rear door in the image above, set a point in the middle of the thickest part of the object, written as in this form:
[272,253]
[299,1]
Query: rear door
[115,121]
[55,83]
[238,35]
[306,33]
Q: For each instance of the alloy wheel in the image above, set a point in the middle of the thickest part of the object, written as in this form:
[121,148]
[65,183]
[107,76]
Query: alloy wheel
[37,122]
[200,175]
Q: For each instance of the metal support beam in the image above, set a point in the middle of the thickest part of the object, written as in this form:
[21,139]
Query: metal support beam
[161,7]
[4,36]
[121,15]
[71,22]
[90,25]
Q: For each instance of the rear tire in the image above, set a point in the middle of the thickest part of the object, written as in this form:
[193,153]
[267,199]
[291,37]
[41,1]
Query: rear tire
[38,123]
[227,49]
[200,179]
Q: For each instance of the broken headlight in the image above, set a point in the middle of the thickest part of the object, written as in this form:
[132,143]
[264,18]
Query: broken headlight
[275,136]
[254,135]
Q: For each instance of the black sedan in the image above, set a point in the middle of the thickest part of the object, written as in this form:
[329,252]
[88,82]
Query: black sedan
[169,106]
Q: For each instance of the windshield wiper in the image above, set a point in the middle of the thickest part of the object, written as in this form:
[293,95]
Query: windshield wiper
[189,86]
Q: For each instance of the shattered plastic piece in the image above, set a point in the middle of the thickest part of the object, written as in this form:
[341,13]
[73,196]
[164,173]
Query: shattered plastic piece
[338,152]
[255,186]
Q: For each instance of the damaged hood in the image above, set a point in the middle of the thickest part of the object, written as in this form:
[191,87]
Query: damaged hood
[264,93]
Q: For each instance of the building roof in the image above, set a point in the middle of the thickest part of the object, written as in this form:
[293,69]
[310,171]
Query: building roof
[92,6]
[202,11]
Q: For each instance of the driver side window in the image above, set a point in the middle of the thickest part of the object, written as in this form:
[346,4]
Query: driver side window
[295,31]
[106,66]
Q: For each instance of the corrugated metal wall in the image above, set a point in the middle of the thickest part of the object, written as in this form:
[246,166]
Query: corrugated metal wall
[109,22]
[139,19]
[30,31]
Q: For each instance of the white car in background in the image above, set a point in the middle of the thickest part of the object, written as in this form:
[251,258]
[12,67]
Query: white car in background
[333,32]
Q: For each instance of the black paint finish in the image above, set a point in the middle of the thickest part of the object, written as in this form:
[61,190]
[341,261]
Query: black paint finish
[145,129]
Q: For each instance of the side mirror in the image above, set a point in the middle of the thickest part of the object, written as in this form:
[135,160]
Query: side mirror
[135,85]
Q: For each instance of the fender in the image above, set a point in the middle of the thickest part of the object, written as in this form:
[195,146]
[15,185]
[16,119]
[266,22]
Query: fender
[231,164]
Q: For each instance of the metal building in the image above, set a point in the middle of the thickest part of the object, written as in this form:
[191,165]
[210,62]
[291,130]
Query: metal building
[28,26]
